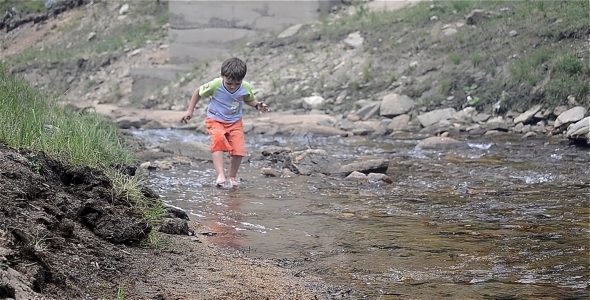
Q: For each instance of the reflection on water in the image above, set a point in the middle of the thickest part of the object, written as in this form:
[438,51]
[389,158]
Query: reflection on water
[504,219]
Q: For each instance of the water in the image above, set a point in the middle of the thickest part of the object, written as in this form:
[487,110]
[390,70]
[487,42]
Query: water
[504,219]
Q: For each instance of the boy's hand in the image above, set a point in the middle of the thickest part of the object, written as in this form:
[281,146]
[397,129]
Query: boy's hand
[186,118]
[262,107]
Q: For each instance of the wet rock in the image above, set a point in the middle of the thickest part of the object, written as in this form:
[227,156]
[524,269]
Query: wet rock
[172,212]
[288,173]
[194,150]
[437,142]
[528,115]
[346,125]
[529,134]
[393,105]
[570,116]
[356,175]
[378,177]
[174,226]
[319,130]
[311,161]
[366,167]
[269,172]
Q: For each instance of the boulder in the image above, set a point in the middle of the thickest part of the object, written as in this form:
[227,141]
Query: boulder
[394,105]
[435,116]
[570,116]
[399,123]
[311,161]
[527,116]
[368,111]
[580,131]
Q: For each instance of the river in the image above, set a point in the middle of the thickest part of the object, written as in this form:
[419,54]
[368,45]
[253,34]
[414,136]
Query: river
[506,218]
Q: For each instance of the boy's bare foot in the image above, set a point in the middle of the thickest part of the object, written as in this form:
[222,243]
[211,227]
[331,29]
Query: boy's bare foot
[220,181]
[234,182]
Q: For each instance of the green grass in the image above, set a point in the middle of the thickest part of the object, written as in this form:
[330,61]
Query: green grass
[32,119]
[23,6]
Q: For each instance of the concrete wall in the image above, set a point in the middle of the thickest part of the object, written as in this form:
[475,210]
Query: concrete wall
[202,30]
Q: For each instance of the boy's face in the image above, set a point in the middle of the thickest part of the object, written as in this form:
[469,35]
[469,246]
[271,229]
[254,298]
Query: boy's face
[231,85]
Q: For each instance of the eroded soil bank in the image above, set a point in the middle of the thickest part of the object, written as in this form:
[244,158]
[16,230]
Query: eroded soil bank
[66,234]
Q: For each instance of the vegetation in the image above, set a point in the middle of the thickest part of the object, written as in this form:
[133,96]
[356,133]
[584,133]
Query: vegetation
[84,41]
[33,120]
[542,43]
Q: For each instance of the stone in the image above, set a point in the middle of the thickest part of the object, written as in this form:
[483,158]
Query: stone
[528,115]
[529,134]
[289,32]
[367,166]
[269,172]
[437,142]
[393,105]
[579,131]
[475,16]
[399,123]
[313,102]
[368,111]
[378,177]
[356,175]
[435,116]
[466,115]
[570,116]
[481,117]
[354,40]
[559,110]
[124,9]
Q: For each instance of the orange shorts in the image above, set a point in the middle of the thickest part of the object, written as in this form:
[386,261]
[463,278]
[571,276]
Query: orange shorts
[227,137]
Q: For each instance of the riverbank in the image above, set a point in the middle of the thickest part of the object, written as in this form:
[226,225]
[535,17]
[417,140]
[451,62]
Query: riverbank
[63,238]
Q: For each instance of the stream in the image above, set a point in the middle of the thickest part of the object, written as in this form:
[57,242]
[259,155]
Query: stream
[506,218]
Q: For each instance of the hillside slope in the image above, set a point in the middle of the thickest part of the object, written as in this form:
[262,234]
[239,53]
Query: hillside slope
[499,57]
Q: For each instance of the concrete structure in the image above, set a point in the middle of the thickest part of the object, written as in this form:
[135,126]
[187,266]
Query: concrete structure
[202,30]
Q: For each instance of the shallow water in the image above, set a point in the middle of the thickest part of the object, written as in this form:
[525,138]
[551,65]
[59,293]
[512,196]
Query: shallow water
[505,219]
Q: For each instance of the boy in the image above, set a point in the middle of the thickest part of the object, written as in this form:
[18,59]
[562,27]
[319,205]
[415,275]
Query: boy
[224,116]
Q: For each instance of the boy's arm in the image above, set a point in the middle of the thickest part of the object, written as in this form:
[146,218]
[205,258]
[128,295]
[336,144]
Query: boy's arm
[251,100]
[205,90]
[191,107]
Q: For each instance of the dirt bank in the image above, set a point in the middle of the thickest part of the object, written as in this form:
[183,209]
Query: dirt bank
[66,234]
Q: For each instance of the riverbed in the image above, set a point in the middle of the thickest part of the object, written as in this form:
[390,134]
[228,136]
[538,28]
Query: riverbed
[504,218]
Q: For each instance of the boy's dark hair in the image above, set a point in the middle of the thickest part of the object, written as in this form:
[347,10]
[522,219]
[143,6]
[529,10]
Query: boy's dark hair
[234,68]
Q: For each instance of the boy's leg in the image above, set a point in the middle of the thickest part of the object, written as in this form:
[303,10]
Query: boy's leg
[219,145]
[217,157]
[236,139]
[234,166]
